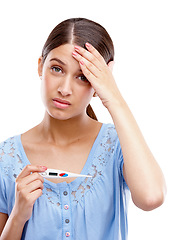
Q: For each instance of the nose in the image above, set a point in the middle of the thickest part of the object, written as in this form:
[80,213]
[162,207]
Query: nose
[65,86]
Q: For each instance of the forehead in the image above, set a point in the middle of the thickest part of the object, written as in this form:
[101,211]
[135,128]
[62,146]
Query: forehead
[64,53]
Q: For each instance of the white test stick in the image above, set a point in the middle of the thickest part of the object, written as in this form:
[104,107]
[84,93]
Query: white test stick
[55,173]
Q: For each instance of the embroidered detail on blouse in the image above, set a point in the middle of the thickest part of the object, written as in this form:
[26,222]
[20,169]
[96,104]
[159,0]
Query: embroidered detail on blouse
[99,162]
[52,196]
[102,155]
[100,159]
[10,159]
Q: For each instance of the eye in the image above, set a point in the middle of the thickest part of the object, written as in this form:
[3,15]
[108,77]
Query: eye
[56,69]
[83,78]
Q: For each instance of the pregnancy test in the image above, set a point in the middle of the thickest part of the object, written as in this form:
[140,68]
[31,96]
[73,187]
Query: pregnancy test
[54,173]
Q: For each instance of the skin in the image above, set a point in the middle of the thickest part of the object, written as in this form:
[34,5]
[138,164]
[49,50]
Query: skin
[28,189]
[140,167]
[68,81]
[68,129]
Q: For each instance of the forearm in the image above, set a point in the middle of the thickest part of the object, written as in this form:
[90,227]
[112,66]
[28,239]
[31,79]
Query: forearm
[13,229]
[141,171]
[28,189]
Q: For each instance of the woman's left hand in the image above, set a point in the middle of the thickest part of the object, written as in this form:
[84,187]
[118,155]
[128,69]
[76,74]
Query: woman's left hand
[98,73]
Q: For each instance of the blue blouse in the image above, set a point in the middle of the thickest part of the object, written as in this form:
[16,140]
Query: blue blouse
[85,209]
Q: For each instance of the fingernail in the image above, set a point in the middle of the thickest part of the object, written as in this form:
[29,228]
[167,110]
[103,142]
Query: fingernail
[88,45]
[74,53]
[77,47]
[43,167]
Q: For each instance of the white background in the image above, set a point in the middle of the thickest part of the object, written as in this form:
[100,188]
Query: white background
[141,34]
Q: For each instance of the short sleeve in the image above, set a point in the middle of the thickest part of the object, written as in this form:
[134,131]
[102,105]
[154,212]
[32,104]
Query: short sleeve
[3,199]
[121,163]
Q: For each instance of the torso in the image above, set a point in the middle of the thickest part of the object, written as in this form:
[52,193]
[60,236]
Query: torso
[70,158]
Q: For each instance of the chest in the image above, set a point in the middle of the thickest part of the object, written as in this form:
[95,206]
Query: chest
[70,158]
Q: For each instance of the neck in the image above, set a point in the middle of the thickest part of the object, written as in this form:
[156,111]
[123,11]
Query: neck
[63,131]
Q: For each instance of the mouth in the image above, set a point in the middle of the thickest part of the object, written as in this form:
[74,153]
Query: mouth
[60,103]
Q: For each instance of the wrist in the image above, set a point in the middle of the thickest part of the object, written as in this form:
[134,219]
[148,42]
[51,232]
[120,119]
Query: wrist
[114,103]
[16,219]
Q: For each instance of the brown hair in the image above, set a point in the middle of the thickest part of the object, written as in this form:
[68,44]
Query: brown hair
[79,31]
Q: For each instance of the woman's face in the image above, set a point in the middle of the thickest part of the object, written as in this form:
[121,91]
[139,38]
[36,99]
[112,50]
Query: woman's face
[65,91]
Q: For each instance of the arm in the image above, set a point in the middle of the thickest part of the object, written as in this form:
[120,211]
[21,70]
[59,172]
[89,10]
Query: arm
[28,189]
[11,228]
[3,220]
[141,171]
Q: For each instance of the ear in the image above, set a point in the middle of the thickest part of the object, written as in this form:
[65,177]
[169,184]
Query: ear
[111,65]
[40,67]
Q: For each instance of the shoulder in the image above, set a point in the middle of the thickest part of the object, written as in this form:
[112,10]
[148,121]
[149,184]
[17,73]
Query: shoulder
[6,148]
[110,141]
[107,141]
[109,132]
[10,157]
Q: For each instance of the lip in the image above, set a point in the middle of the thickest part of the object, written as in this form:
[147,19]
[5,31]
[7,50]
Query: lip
[61,103]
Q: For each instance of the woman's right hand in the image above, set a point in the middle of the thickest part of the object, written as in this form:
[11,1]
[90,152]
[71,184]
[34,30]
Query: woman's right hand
[29,186]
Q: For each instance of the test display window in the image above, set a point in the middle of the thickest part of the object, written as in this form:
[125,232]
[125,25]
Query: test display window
[53,174]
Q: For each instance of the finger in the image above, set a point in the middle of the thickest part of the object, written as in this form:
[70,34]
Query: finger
[27,170]
[90,66]
[31,187]
[32,177]
[87,73]
[35,195]
[94,51]
[90,57]
[91,54]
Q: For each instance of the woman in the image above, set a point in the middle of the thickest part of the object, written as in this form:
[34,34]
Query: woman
[76,65]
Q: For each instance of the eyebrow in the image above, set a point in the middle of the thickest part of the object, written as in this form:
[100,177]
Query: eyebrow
[58,60]
[61,62]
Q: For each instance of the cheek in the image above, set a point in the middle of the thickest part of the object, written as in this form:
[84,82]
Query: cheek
[47,86]
[87,94]
[46,89]
[47,79]
[47,83]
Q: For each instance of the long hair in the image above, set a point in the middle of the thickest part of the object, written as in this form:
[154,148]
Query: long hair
[79,31]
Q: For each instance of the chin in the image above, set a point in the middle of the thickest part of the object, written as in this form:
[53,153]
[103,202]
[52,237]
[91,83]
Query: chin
[66,114]
[62,115]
